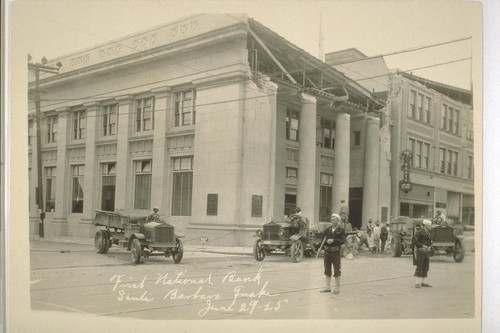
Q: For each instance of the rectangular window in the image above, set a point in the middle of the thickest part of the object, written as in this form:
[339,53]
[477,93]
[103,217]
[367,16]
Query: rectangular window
[30,132]
[77,172]
[212,203]
[328,133]
[292,125]
[79,124]
[413,97]
[185,108]
[449,117]
[144,115]
[143,175]
[325,203]
[425,156]
[326,179]
[420,102]
[291,172]
[182,190]
[418,154]
[456,121]
[257,205]
[411,146]
[110,120]
[470,168]
[455,163]
[443,116]
[442,157]
[50,189]
[357,138]
[427,110]
[108,186]
[52,129]
[448,162]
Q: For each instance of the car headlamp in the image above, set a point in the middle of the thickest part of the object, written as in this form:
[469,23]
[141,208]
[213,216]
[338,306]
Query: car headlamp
[281,232]
[259,232]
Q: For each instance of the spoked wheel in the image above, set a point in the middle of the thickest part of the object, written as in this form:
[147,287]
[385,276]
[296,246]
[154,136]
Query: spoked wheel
[135,251]
[297,251]
[458,251]
[101,242]
[179,251]
[258,251]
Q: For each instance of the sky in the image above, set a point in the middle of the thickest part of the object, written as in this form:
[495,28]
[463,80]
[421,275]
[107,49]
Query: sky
[52,28]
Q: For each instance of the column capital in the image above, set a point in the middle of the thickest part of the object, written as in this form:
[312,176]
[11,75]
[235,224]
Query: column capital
[372,120]
[306,98]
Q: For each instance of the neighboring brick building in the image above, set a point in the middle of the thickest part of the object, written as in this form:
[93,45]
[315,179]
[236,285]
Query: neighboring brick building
[432,120]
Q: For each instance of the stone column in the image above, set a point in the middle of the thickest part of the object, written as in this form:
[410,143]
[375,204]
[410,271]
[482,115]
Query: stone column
[63,195]
[91,176]
[306,190]
[371,171]
[341,162]
[162,98]
[123,165]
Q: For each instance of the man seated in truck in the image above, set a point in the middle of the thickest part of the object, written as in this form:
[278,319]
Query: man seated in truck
[439,219]
[154,216]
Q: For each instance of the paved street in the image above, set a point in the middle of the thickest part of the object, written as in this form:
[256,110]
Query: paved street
[73,278]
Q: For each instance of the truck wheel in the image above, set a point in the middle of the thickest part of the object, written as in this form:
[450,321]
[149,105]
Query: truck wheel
[396,247]
[135,251]
[258,251]
[179,251]
[101,242]
[458,251]
[297,251]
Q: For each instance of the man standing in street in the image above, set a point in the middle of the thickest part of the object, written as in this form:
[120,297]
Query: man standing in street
[423,248]
[333,238]
[344,207]
[369,228]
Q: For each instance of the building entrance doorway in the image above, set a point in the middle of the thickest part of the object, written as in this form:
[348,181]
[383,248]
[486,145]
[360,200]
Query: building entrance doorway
[356,207]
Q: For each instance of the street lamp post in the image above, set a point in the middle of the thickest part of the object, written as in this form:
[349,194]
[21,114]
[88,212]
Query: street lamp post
[36,69]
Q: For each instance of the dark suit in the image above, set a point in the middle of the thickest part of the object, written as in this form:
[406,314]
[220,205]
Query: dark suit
[333,251]
[422,239]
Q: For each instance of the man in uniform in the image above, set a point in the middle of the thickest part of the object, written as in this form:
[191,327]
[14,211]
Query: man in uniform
[423,247]
[384,234]
[334,238]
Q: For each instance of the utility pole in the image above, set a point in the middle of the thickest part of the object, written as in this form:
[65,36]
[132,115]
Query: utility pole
[36,69]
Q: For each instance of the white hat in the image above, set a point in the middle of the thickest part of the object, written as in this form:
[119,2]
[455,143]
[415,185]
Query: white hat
[156,207]
[336,215]
[426,222]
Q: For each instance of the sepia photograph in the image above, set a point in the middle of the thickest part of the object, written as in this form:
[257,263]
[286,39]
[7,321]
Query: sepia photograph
[243,165]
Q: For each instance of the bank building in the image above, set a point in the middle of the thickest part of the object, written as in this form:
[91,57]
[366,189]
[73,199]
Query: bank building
[225,125]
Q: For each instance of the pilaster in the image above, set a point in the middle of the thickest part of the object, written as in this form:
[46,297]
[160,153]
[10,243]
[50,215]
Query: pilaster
[123,165]
[158,186]
[62,174]
[91,176]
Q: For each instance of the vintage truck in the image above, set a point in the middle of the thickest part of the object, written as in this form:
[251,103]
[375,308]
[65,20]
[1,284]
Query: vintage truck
[292,237]
[141,237]
[446,240]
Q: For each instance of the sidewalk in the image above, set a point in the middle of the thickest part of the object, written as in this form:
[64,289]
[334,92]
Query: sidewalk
[234,250]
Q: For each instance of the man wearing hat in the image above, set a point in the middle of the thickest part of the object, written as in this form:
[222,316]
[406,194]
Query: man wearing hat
[423,247]
[154,216]
[333,239]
